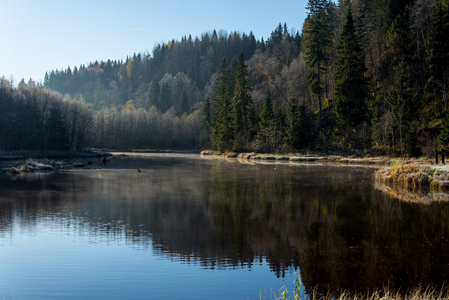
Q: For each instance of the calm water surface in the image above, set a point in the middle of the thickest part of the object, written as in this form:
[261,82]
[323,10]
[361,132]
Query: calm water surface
[196,228]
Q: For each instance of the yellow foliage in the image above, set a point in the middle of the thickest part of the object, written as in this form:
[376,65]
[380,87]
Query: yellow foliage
[129,106]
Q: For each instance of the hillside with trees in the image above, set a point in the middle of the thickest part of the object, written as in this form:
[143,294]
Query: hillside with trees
[362,75]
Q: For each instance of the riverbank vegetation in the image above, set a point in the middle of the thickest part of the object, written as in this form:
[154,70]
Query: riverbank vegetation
[366,76]
[415,177]
[417,294]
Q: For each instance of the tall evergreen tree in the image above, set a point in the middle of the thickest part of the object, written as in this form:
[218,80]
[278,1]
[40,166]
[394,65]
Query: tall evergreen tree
[291,125]
[222,117]
[403,103]
[56,130]
[183,103]
[266,113]
[207,113]
[351,91]
[268,135]
[154,95]
[317,40]
[165,98]
[443,138]
[438,81]
[305,126]
[243,107]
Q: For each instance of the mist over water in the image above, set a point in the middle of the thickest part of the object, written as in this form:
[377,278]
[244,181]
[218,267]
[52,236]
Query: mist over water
[197,228]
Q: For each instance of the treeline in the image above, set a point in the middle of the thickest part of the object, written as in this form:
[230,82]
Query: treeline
[363,74]
[187,64]
[33,118]
[376,74]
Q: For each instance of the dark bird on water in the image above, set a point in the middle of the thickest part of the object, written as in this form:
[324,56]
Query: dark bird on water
[139,170]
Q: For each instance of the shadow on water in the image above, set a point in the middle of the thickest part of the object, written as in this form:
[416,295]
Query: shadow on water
[328,221]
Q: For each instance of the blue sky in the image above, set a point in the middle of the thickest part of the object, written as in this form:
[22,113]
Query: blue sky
[38,36]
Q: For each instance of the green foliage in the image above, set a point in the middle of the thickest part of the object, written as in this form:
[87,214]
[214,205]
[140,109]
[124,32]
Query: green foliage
[351,92]
[242,105]
[317,40]
[396,52]
[403,102]
[266,113]
[183,104]
[298,126]
[438,81]
[57,138]
[165,99]
[296,291]
[222,117]
[291,125]
[154,95]
[443,138]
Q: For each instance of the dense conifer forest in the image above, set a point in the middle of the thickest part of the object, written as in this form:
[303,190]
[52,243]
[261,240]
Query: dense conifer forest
[362,75]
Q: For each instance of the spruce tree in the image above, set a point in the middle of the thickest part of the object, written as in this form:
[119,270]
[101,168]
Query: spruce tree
[439,51]
[351,92]
[291,125]
[267,136]
[207,114]
[154,95]
[222,118]
[443,138]
[183,104]
[305,126]
[403,103]
[165,98]
[243,107]
[317,40]
[266,113]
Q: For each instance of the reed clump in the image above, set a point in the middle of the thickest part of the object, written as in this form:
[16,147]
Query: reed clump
[420,293]
[417,294]
[413,176]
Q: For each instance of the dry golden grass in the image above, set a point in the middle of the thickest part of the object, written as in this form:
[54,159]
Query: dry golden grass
[414,176]
[386,294]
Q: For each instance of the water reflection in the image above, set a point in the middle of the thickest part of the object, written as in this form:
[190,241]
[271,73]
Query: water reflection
[326,220]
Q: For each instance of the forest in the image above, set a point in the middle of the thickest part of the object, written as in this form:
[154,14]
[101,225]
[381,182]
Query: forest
[365,76]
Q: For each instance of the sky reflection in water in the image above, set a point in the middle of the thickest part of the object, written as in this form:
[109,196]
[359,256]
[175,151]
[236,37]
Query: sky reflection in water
[195,228]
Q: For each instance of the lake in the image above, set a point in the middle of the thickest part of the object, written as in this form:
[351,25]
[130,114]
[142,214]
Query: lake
[195,227]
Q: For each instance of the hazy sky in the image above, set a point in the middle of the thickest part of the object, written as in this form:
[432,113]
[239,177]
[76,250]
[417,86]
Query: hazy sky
[43,35]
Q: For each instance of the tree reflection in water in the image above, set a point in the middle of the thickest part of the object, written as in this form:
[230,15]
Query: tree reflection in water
[327,221]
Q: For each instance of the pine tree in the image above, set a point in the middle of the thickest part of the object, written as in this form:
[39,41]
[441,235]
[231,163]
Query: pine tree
[403,103]
[439,51]
[183,104]
[207,113]
[317,40]
[222,118]
[266,113]
[165,98]
[351,91]
[305,126]
[267,135]
[243,107]
[154,95]
[443,138]
[291,125]
[58,138]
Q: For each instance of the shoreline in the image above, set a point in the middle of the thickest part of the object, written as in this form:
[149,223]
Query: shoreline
[311,157]
[50,154]
[417,180]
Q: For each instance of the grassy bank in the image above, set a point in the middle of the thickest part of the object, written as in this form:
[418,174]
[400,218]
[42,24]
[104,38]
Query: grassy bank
[419,293]
[415,177]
